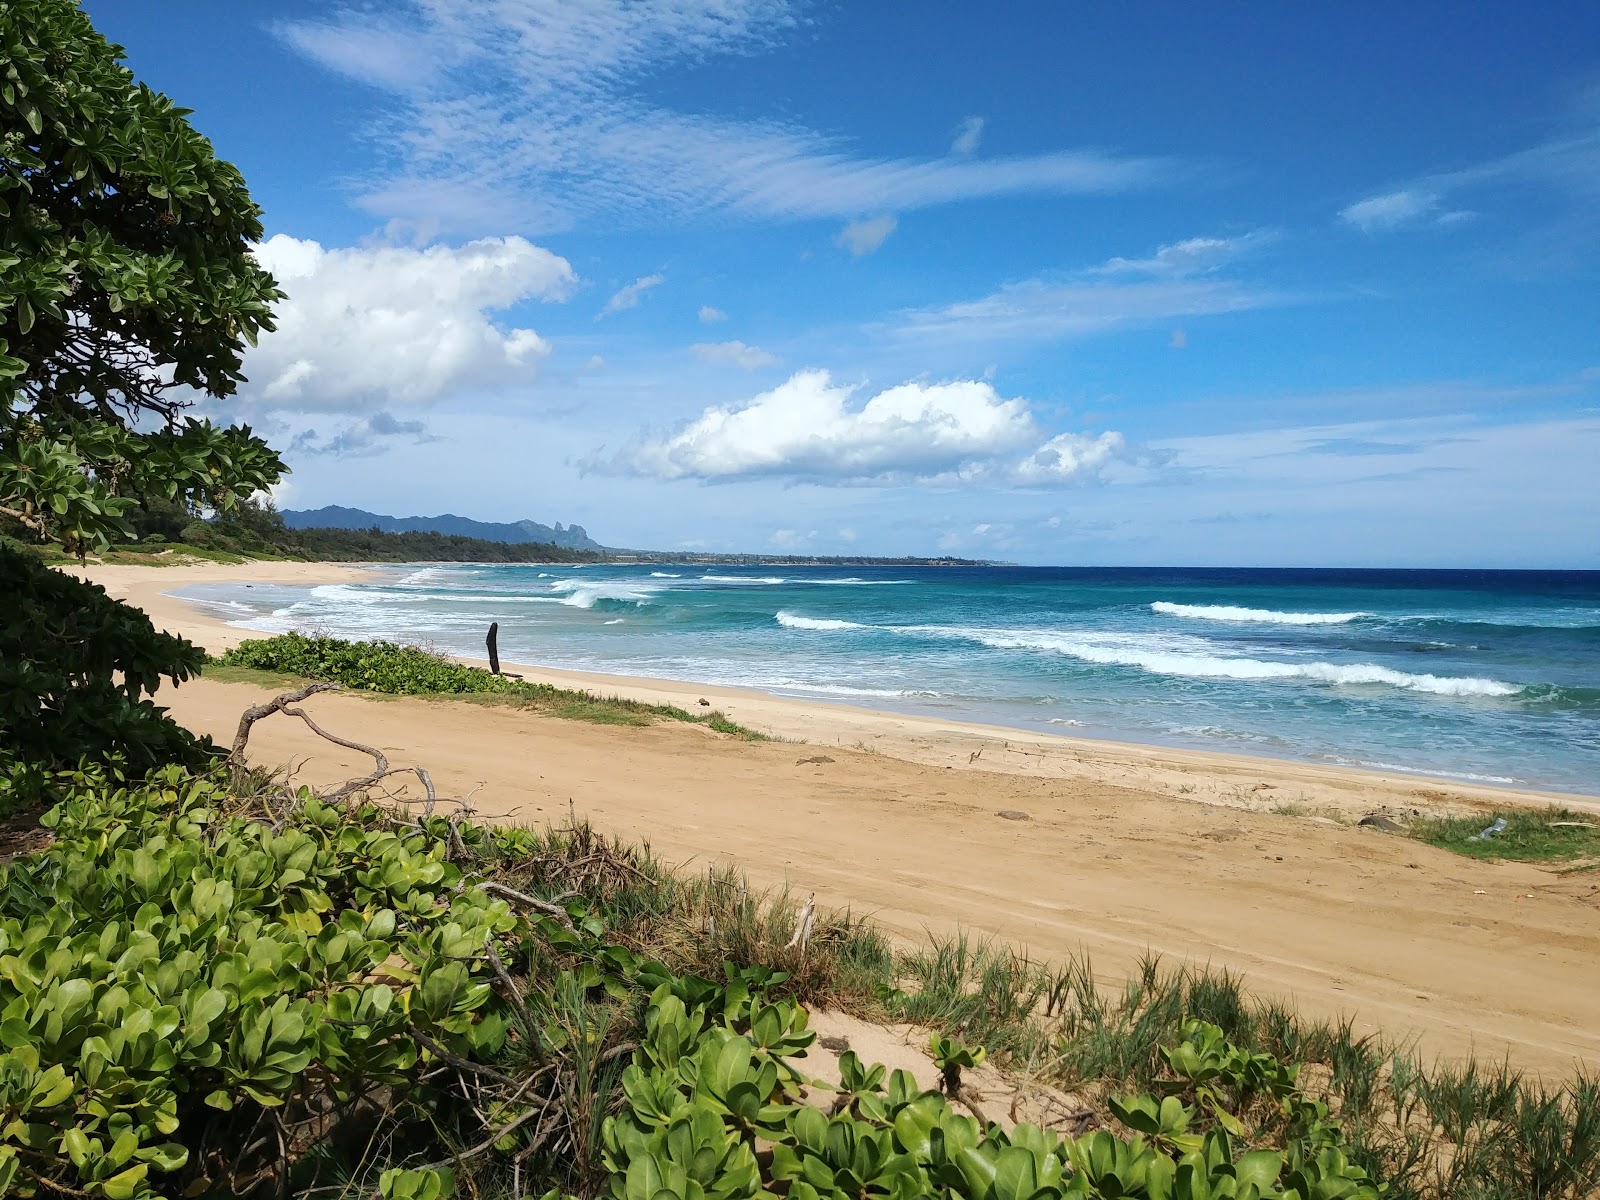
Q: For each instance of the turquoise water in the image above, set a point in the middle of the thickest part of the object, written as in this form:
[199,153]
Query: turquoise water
[1490,676]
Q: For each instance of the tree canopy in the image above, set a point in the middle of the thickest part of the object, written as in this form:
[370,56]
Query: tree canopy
[127,289]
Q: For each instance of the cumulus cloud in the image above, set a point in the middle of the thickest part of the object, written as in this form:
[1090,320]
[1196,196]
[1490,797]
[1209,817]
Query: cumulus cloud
[737,353]
[629,296]
[546,110]
[967,136]
[710,316]
[865,236]
[809,427]
[1070,456]
[380,326]
[1377,214]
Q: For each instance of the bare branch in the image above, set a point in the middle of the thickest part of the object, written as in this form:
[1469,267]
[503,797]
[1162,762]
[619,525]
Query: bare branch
[252,715]
[513,992]
[527,901]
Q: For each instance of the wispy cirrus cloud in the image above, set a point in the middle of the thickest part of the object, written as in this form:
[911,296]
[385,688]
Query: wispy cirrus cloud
[629,295]
[958,433]
[1192,256]
[1566,163]
[527,111]
[1178,280]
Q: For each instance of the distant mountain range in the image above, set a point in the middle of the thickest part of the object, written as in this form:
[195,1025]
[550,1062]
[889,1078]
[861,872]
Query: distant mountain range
[573,537]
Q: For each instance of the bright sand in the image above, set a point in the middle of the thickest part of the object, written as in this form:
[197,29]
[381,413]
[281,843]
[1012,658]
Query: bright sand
[1124,849]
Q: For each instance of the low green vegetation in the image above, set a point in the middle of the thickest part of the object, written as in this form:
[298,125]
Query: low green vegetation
[1530,835]
[214,986]
[386,667]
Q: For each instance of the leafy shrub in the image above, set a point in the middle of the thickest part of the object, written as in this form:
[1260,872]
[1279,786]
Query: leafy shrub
[370,666]
[76,671]
[711,1082]
[172,977]
[380,666]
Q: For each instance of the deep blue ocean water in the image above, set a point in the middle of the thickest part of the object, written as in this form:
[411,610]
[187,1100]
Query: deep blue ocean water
[1491,676]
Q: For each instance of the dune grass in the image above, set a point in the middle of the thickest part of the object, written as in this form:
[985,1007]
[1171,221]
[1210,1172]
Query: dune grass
[1431,1130]
[1536,835]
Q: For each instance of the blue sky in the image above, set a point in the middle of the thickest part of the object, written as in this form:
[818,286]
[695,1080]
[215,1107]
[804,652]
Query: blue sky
[1054,283]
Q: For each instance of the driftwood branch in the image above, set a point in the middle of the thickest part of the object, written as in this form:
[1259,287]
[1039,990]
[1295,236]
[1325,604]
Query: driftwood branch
[381,769]
[252,715]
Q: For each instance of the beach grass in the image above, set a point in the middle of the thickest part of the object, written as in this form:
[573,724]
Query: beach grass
[1431,1131]
[1537,835]
[388,668]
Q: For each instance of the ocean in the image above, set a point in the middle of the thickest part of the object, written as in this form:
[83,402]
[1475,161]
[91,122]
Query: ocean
[1481,676]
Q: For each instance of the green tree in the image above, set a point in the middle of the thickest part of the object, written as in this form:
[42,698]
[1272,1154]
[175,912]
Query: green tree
[127,290]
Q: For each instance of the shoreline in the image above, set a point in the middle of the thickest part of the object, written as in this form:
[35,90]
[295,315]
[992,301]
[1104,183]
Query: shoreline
[1050,845]
[1219,777]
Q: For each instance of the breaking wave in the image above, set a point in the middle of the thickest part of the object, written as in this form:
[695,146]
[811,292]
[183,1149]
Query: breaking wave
[1126,651]
[1229,612]
[791,621]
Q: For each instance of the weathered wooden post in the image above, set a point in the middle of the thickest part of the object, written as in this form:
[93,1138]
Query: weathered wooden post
[494,647]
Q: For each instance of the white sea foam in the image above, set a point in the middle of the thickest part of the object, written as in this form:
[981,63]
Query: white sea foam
[742,578]
[839,689]
[587,595]
[854,582]
[613,621]
[1126,650]
[792,621]
[1229,612]
[342,593]
[664,575]
[1383,766]
[1065,721]
[421,576]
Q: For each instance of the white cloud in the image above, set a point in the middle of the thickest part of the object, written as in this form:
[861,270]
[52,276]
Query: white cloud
[809,427]
[1178,280]
[375,327]
[865,236]
[1070,456]
[1189,257]
[737,353]
[1565,164]
[967,136]
[538,108]
[629,296]
[1377,214]
[1035,309]
[710,316]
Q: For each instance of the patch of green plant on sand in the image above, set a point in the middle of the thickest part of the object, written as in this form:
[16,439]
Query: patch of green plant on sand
[389,668]
[1533,835]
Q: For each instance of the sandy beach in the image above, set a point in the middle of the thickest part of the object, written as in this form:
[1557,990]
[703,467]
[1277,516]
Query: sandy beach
[1251,864]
